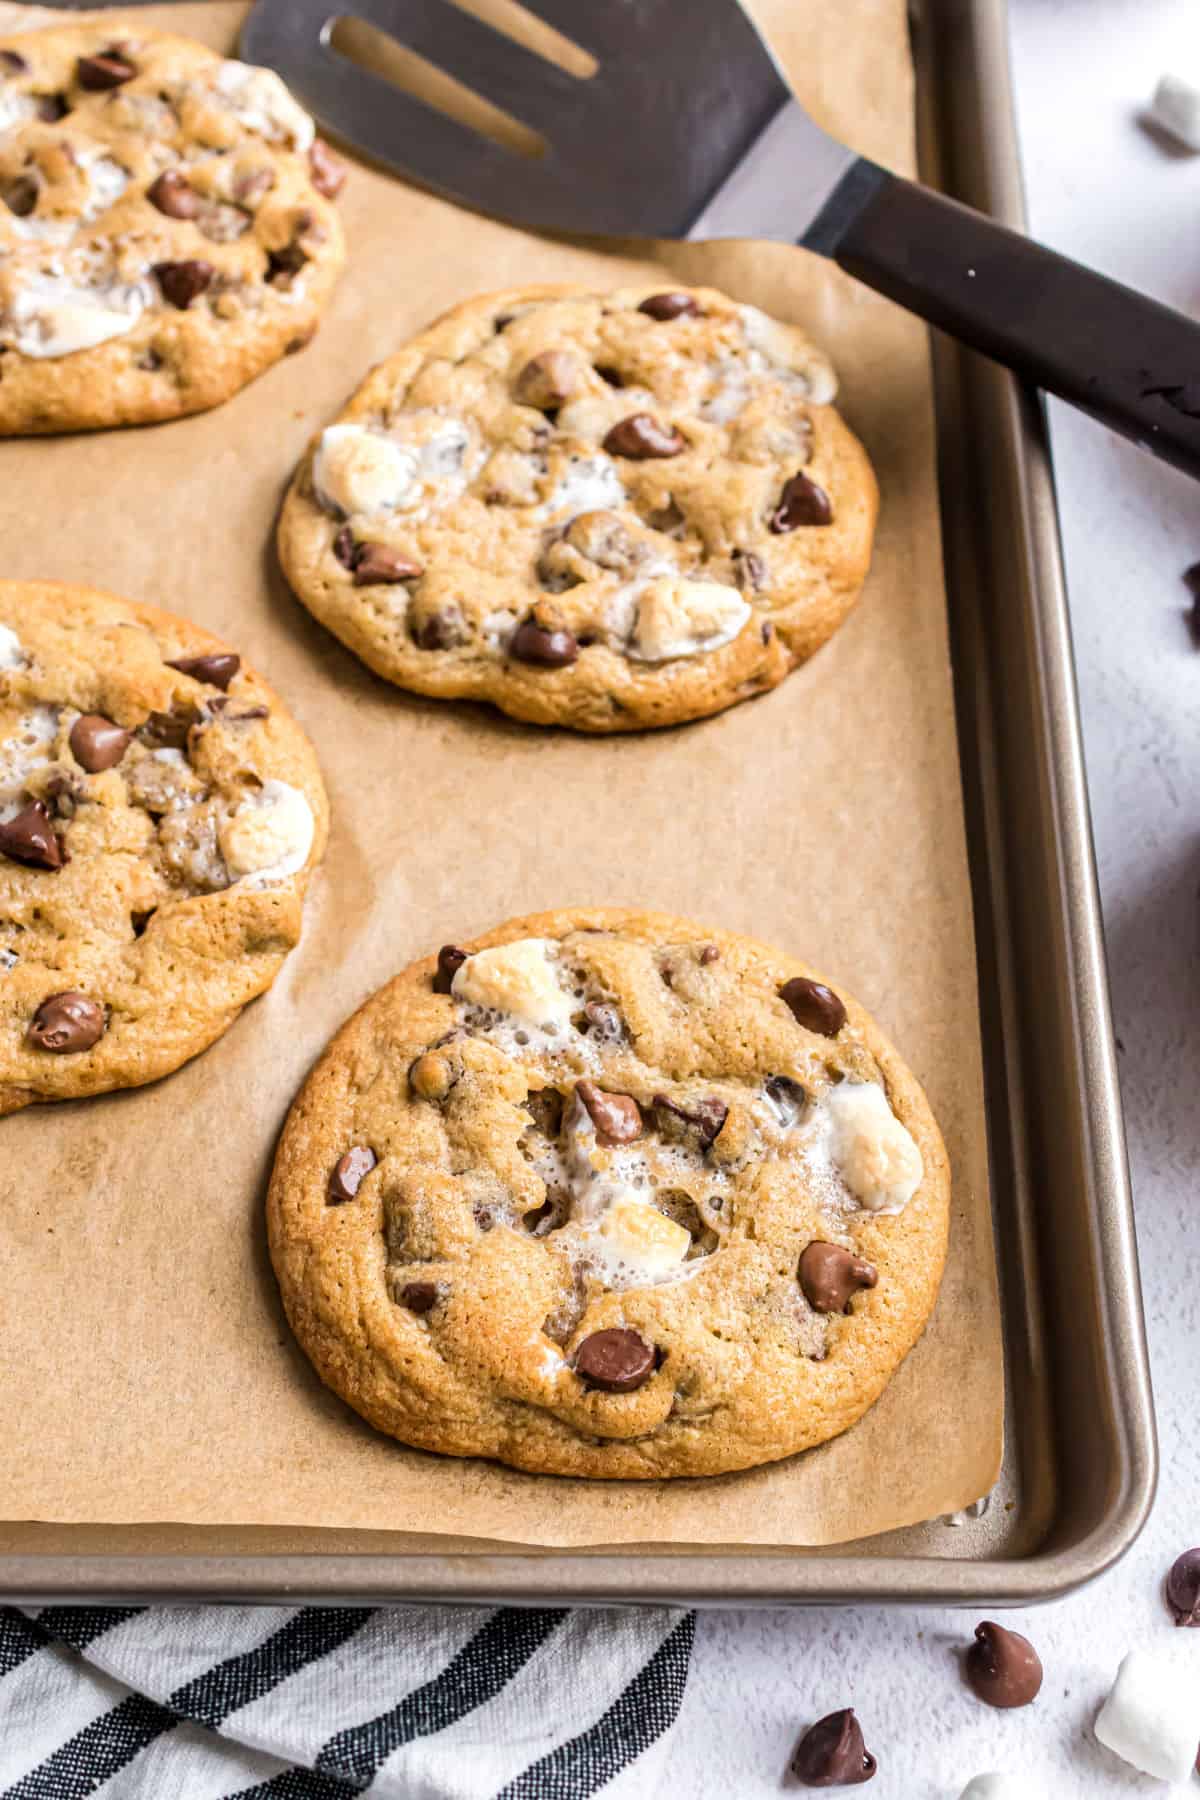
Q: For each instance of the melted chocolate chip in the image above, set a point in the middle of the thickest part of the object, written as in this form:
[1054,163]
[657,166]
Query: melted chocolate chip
[29,838]
[96,743]
[617,1117]
[706,1117]
[110,70]
[283,264]
[217,669]
[183,282]
[670,306]
[832,1753]
[66,1023]
[13,62]
[813,1005]
[802,502]
[831,1276]
[1183,1588]
[611,376]
[328,171]
[750,569]
[51,108]
[547,380]
[641,437]
[604,1019]
[440,630]
[344,547]
[377,563]
[419,1296]
[615,1360]
[168,730]
[1002,1667]
[172,194]
[450,960]
[350,1171]
[21,196]
[545,647]
[787,1094]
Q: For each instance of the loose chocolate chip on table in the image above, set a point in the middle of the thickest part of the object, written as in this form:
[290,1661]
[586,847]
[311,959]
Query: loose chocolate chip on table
[615,1359]
[111,70]
[802,502]
[641,437]
[21,196]
[831,1276]
[327,170]
[814,1005]
[616,1117]
[344,547]
[1002,1667]
[545,647]
[419,1296]
[183,282]
[217,669]
[1183,1588]
[13,62]
[450,960]
[66,1023]
[669,306]
[172,194]
[832,1753]
[377,563]
[350,1172]
[29,838]
[705,1116]
[547,380]
[96,743]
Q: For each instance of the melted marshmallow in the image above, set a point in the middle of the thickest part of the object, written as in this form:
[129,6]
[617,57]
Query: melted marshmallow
[591,484]
[51,315]
[269,836]
[23,753]
[11,654]
[872,1151]
[259,101]
[517,979]
[676,617]
[782,349]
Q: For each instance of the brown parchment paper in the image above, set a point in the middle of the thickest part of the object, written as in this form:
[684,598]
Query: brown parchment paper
[147,1372]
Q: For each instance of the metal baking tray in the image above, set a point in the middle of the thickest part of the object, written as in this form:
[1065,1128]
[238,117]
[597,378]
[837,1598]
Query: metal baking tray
[1081,1460]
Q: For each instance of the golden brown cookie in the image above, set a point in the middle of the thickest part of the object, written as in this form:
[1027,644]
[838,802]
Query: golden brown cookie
[605,511]
[160,814]
[166,226]
[607,1193]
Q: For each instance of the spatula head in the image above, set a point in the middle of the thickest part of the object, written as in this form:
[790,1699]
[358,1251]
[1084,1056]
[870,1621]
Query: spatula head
[682,93]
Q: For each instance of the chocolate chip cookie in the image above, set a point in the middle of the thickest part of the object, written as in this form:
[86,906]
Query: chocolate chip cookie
[166,226]
[606,1193]
[606,511]
[160,813]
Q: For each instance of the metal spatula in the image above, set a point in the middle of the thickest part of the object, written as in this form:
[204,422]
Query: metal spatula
[688,130]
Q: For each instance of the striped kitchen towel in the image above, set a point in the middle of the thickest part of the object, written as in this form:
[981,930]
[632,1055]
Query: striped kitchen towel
[316,1703]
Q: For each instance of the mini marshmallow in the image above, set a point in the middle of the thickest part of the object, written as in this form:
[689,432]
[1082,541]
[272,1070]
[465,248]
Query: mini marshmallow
[642,1238]
[682,618]
[1176,107]
[872,1151]
[261,103]
[1151,1718]
[269,836]
[361,471]
[517,979]
[999,1787]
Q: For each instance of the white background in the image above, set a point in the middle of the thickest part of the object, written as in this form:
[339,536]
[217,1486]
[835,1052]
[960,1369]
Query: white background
[1100,188]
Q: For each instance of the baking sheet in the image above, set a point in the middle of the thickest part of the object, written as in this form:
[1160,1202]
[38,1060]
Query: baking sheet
[148,1374]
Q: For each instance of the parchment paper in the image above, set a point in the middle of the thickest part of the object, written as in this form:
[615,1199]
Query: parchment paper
[147,1370]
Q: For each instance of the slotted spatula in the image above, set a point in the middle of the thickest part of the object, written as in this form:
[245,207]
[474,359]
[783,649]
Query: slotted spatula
[687,129]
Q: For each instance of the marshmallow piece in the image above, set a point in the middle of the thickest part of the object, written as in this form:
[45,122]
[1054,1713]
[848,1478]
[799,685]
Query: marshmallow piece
[261,103]
[11,654]
[873,1152]
[51,315]
[1151,1718]
[999,1787]
[361,471]
[517,979]
[590,485]
[269,836]
[643,1239]
[107,180]
[1176,107]
[682,618]
[788,350]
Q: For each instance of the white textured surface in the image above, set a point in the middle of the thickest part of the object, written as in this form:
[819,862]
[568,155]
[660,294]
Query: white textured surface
[1104,191]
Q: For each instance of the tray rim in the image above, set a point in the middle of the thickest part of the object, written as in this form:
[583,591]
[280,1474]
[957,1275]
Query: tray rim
[728,1575]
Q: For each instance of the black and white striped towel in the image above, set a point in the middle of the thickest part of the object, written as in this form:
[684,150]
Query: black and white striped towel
[312,1703]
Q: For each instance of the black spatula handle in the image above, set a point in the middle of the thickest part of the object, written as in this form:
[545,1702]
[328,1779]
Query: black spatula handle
[1131,363]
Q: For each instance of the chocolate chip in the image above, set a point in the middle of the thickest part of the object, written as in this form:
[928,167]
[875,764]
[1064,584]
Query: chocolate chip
[376,563]
[29,838]
[710,954]
[51,108]
[450,960]
[831,1276]
[66,1023]
[705,1116]
[283,264]
[802,502]
[328,171]
[608,374]
[615,1359]
[440,630]
[216,669]
[139,921]
[1183,1588]
[96,743]
[1002,1667]
[183,282]
[349,1173]
[547,380]
[172,194]
[419,1296]
[814,1005]
[750,569]
[21,196]
[13,62]
[641,437]
[249,188]
[545,647]
[344,547]
[670,306]
[604,1019]
[832,1753]
[617,1117]
[168,730]
[787,1094]
[110,70]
